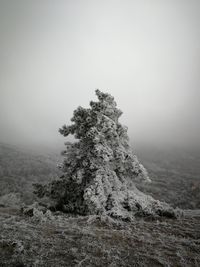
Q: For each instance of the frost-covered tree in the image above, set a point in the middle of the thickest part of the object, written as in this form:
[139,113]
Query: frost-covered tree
[99,170]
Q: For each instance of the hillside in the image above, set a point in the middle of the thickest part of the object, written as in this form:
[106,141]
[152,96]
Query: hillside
[56,240]
[175,174]
[91,241]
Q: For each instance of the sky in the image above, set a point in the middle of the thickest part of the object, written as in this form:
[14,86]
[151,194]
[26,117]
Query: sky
[54,54]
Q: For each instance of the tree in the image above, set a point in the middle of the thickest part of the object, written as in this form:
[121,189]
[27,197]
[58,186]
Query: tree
[99,169]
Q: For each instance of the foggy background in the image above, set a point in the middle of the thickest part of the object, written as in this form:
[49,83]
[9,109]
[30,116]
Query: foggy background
[54,54]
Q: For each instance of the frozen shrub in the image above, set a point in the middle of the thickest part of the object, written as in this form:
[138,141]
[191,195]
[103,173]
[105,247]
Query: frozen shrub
[100,168]
[10,200]
[37,212]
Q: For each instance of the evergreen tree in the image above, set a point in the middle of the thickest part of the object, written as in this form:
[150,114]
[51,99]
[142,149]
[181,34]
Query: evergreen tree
[99,169]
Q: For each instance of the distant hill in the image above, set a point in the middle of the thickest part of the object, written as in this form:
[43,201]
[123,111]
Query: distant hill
[20,168]
[175,174]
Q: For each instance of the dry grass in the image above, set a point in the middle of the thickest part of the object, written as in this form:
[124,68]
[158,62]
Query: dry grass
[82,241]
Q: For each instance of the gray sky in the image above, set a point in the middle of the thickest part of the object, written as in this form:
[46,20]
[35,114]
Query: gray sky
[53,54]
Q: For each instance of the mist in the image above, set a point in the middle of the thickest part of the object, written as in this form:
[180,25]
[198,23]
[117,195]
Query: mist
[54,54]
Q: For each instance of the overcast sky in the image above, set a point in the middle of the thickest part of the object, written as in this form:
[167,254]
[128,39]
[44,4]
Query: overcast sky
[146,53]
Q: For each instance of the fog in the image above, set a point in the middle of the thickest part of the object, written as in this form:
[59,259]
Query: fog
[54,54]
